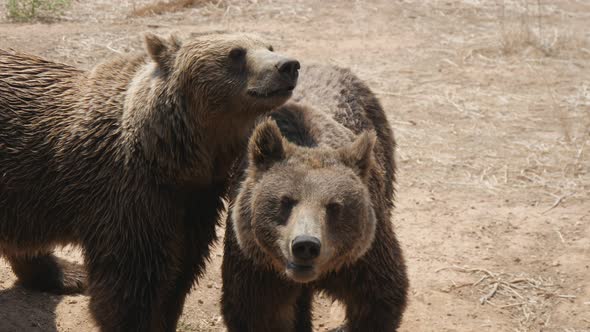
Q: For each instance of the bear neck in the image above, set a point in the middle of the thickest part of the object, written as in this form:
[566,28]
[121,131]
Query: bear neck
[176,133]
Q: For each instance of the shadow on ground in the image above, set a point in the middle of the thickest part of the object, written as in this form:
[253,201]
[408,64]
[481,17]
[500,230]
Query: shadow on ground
[26,310]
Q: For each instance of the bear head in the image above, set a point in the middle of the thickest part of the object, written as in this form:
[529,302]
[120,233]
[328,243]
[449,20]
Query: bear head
[305,211]
[193,100]
[225,71]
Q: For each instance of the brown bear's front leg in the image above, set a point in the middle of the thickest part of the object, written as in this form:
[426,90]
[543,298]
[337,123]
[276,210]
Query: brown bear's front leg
[259,306]
[303,309]
[125,296]
[256,299]
[131,280]
[376,316]
[370,311]
[199,234]
[48,273]
[374,290]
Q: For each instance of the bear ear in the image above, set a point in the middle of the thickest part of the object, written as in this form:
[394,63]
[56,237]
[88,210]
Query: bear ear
[162,51]
[266,145]
[359,154]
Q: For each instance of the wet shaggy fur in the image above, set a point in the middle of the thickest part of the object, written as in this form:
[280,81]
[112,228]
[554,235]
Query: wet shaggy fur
[333,108]
[130,161]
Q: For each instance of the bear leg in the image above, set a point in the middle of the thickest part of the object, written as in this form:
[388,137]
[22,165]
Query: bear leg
[377,316]
[374,291]
[256,299]
[199,234]
[377,305]
[252,307]
[141,286]
[48,273]
[140,283]
[303,309]
[128,292]
[192,266]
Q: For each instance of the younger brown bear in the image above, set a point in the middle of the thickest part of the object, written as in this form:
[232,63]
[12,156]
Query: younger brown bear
[312,213]
[130,161]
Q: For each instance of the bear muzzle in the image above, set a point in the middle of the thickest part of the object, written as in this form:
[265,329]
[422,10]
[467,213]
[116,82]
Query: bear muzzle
[305,248]
[274,75]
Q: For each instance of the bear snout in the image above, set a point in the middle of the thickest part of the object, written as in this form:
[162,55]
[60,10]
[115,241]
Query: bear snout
[306,248]
[289,69]
[274,75]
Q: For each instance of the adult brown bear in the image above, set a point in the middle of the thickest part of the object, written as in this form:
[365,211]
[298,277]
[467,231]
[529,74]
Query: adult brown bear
[311,212]
[129,161]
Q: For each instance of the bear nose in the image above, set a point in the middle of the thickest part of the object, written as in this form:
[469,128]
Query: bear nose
[289,68]
[306,247]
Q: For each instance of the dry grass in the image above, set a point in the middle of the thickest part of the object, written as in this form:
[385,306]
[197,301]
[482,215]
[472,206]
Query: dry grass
[530,32]
[545,153]
[27,10]
[530,298]
[522,37]
[171,6]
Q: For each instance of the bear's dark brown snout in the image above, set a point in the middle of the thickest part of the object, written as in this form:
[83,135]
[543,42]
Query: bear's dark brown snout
[306,248]
[289,69]
[274,75]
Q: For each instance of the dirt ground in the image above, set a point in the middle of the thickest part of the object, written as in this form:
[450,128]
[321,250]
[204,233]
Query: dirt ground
[490,105]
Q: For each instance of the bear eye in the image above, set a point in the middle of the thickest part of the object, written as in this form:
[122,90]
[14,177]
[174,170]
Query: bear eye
[237,53]
[270,48]
[334,209]
[287,203]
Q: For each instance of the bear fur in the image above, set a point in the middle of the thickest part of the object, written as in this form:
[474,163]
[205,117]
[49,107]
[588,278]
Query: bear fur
[130,161]
[321,166]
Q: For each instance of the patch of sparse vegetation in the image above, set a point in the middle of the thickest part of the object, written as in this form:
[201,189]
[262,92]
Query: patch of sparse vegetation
[529,298]
[26,10]
[169,6]
[530,31]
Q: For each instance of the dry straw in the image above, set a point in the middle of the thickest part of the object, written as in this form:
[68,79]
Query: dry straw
[530,298]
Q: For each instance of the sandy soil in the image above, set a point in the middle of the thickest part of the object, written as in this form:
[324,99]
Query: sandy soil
[490,103]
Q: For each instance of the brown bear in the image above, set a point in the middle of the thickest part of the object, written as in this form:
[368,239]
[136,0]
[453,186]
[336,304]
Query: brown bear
[310,211]
[130,161]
